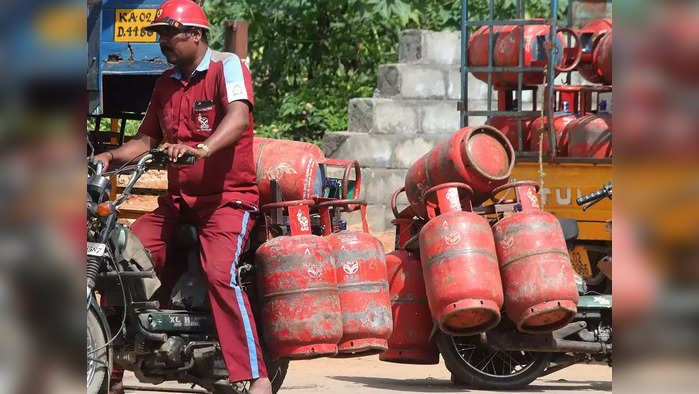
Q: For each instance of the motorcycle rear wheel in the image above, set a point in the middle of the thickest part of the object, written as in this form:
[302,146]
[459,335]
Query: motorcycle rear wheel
[98,367]
[477,366]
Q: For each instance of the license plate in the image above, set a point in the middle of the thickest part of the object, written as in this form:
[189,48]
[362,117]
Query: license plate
[96,249]
[129,25]
[581,261]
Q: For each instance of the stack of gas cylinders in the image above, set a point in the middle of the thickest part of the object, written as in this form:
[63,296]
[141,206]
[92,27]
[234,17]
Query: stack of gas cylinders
[324,289]
[464,255]
[582,119]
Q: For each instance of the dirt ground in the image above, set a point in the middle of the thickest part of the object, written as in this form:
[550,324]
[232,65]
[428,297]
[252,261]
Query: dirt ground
[369,375]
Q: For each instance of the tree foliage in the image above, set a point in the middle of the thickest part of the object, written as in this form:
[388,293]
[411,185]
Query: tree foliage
[309,57]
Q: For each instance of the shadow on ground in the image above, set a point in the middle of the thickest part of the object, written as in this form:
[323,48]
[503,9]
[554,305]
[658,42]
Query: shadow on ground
[430,385]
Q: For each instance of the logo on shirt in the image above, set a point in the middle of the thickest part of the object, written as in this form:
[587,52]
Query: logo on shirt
[203,122]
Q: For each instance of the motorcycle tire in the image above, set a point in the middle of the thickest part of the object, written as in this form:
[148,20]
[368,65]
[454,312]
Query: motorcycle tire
[98,356]
[489,369]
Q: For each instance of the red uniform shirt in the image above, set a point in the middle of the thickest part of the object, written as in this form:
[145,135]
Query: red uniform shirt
[187,113]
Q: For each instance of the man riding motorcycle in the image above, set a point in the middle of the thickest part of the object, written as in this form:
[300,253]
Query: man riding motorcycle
[203,106]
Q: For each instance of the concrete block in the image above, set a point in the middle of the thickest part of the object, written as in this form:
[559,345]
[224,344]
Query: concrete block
[406,152]
[382,116]
[368,150]
[395,117]
[360,113]
[411,81]
[440,117]
[378,184]
[410,45]
[430,47]
[442,47]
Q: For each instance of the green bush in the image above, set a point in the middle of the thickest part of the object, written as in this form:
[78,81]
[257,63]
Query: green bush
[309,57]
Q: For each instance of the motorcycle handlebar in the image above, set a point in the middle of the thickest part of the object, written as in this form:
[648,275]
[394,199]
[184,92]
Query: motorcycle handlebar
[161,157]
[605,191]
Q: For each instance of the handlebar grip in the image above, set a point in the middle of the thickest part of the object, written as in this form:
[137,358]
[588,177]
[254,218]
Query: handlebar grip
[187,158]
[596,195]
[162,158]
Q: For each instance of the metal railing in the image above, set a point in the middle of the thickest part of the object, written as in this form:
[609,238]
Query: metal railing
[520,69]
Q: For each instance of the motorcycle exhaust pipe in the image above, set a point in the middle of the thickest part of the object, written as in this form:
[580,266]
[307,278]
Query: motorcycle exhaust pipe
[550,342]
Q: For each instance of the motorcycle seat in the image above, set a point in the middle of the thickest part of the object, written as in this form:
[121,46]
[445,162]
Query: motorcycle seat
[186,236]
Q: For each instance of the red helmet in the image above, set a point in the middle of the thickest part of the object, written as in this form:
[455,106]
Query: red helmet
[178,13]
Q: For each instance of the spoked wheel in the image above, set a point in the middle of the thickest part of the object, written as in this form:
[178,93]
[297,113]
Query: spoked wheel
[479,366]
[97,356]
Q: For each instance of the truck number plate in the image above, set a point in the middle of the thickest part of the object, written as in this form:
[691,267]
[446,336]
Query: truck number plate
[96,249]
[129,25]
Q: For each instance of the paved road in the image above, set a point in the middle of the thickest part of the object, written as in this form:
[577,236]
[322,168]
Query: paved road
[369,375]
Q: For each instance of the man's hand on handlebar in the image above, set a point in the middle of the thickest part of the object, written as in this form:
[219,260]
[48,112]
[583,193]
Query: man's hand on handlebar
[105,158]
[176,151]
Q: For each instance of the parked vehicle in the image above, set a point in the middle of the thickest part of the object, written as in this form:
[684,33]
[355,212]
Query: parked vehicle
[126,325]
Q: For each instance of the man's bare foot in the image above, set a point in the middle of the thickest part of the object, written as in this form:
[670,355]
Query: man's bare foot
[261,386]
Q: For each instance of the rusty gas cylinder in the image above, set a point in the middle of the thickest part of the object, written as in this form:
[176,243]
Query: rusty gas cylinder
[460,266]
[508,126]
[537,277]
[539,127]
[360,266]
[412,324]
[591,135]
[590,36]
[297,283]
[296,166]
[506,46]
[482,157]
[478,44]
[602,58]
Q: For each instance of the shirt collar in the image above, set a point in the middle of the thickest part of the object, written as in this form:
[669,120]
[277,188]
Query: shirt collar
[203,66]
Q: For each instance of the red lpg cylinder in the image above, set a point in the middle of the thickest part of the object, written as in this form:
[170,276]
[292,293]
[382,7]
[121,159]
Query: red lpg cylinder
[602,58]
[301,305]
[537,277]
[478,51]
[294,165]
[412,324]
[590,36]
[508,126]
[481,157]
[360,266]
[540,126]
[462,280]
[506,43]
[591,135]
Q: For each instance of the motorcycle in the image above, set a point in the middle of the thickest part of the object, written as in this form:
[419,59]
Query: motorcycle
[505,359]
[126,324]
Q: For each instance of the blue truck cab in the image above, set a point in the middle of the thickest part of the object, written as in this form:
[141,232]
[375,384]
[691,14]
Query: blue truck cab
[124,59]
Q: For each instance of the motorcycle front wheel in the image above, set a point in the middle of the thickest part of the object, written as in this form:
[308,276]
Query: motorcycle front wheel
[276,369]
[97,355]
[478,366]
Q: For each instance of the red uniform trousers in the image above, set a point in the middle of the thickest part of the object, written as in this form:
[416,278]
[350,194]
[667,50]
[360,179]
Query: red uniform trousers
[222,236]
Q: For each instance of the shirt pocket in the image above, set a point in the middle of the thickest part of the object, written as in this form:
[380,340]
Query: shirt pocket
[202,119]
